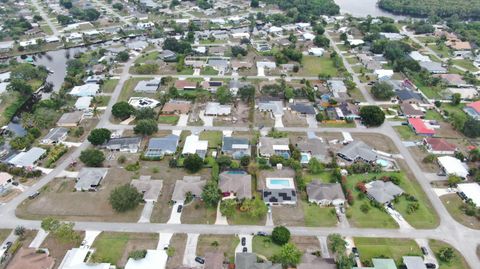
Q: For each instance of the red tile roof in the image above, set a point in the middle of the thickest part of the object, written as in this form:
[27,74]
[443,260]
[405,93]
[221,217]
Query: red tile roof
[440,144]
[185,84]
[475,105]
[420,127]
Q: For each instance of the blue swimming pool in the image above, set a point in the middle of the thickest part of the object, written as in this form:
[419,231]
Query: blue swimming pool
[280,182]
[304,158]
[383,163]
[238,172]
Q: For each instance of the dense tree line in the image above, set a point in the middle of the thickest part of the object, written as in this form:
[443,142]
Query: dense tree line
[442,8]
[301,10]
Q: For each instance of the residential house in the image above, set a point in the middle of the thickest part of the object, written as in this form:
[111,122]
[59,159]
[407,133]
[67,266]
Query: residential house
[237,183]
[465,93]
[143,102]
[453,166]
[357,151]
[314,148]
[77,258]
[212,86]
[177,107]
[56,135]
[6,46]
[433,67]
[414,262]
[439,146]
[383,191]
[392,36]
[473,110]
[380,264]
[89,89]
[189,184]
[124,144]
[412,110]
[470,191]
[235,85]
[216,109]
[5,180]
[27,159]
[453,80]
[337,87]
[217,50]
[30,258]
[325,193]
[147,86]
[220,65]
[236,147]
[310,261]
[407,96]
[89,178]
[83,103]
[383,74]
[419,127]
[138,45]
[161,146]
[303,109]
[249,261]
[273,105]
[70,119]
[186,85]
[168,56]
[269,146]
[154,259]
[316,51]
[193,145]
[98,69]
[417,56]
[150,189]
[347,111]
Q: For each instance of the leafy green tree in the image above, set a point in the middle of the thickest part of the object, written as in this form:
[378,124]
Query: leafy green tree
[321,41]
[336,243]
[146,127]
[320,117]
[124,198]
[238,51]
[456,98]
[289,255]
[99,136]
[382,91]
[211,194]
[145,113]
[20,231]
[224,95]
[255,208]
[122,110]
[66,234]
[117,6]
[123,56]
[228,207]
[247,93]
[446,254]
[224,161]
[137,254]
[453,180]
[245,161]
[92,157]
[372,115]
[50,224]
[20,86]
[471,128]
[314,166]
[280,235]
[254,3]
[193,163]
[319,29]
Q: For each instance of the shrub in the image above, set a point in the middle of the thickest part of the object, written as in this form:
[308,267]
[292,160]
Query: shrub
[280,235]
[137,254]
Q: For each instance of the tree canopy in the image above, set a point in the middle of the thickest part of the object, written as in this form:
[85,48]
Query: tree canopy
[280,235]
[211,194]
[382,90]
[372,116]
[122,110]
[99,136]
[146,127]
[92,157]
[193,163]
[124,198]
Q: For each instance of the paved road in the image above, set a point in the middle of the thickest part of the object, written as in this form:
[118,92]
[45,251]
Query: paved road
[45,17]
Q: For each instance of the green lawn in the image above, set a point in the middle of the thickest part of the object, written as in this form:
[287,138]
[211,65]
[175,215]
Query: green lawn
[214,138]
[101,100]
[423,218]
[458,261]
[352,60]
[453,204]
[209,71]
[443,51]
[448,107]
[339,124]
[150,56]
[128,87]
[433,115]
[263,245]
[186,71]
[242,218]
[110,247]
[465,64]
[316,216]
[109,85]
[313,66]
[406,133]
[168,119]
[325,176]
[386,247]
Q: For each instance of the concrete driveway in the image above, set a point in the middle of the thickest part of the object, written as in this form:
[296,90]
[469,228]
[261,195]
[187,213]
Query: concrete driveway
[311,121]
[220,220]
[248,243]
[398,218]
[278,121]
[175,217]
[39,238]
[191,251]
[146,212]
[164,240]
[207,120]
[89,238]
[430,257]
[323,246]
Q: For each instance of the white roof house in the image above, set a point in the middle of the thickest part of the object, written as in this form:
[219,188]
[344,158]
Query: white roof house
[308,36]
[216,109]
[193,145]
[472,191]
[275,30]
[316,51]
[75,259]
[143,102]
[383,73]
[27,159]
[83,102]
[155,259]
[453,166]
[417,56]
[89,89]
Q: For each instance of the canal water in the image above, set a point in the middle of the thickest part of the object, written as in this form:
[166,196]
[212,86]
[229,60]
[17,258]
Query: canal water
[363,8]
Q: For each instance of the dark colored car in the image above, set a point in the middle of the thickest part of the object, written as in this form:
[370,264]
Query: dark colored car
[430,265]
[244,241]
[424,250]
[7,245]
[261,233]
[33,196]
[355,251]
[179,208]
[200,260]
[15,183]
[244,250]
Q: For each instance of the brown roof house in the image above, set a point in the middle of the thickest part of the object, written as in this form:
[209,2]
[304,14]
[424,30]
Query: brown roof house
[177,107]
[189,184]
[29,258]
[439,146]
[238,183]
[70,119]
[411,110]
[325,193]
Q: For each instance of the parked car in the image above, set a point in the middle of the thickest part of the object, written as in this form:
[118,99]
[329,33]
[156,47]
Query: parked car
[7,245]
[261,233]
[244,241]
[424,250]
[33,196]
[179,208]
[355,251]
[200,260]
[15,183]
[430,265]
[244,250]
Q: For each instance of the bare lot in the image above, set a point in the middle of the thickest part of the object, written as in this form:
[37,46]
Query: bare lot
[419,154]
[58,199]
[178,243]
[240,116]
[198,213]
[306,243]
[377,141]
[288,215]
[291,119]
[57,249]
[263,119]
[225,244]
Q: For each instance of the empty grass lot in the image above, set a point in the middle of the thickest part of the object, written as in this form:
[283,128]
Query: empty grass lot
[243,218]
[313,66]
[453,204]
[263,245]
[209,71]
[316,216]
[150,56]
[386,247]
[214,138]
[433,115]
[168,119]
[406,133]
[109,85]
[128,87]
[465,64]
[225,244]
[458,261]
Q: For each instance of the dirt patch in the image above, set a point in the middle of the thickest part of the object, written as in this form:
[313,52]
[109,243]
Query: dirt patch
[197,212]
[377,141]
[178,243]
[306,243]
[288,215]
[57,249]
[291,119]
[239,117]
[138,241]
[419,154]
[264,119]
[87,125]
[225,244]
[58,199]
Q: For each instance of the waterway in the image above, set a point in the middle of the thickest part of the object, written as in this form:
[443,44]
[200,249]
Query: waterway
[363,8]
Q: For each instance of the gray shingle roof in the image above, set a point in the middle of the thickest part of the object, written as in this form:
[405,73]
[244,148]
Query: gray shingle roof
[158,146]
[192,184]
[249,261]
[303,108]
[229,141]
[357,150]
[27,159]
[124,143]
[90,177]
[383,192]
[319,191]
[56,133]
[237,182]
